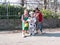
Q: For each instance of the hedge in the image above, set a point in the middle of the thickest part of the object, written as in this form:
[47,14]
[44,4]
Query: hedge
[49,14]
[12,11]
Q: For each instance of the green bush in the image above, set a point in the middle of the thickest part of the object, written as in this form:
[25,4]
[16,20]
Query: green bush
[47,13]
[3,10]
[12,11]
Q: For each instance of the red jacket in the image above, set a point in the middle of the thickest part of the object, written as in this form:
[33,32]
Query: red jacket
[39,16]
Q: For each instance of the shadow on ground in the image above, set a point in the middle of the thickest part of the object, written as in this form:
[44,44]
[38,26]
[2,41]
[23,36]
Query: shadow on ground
[49,34]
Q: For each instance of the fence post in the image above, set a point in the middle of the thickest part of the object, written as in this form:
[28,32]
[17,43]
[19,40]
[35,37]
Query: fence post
[7,9]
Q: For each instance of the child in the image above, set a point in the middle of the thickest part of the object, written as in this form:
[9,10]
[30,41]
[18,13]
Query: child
[24,23]
[32,25]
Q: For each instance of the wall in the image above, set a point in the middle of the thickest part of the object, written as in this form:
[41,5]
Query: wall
[16,23]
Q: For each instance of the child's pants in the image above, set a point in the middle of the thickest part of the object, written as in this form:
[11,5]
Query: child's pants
[31,30]
[39,26]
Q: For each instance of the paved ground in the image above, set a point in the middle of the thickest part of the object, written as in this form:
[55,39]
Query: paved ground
[51,37]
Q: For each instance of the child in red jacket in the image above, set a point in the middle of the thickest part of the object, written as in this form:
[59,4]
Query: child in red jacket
[39,19]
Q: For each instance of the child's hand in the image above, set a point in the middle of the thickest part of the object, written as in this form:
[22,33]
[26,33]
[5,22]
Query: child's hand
[26,22]
[32,21]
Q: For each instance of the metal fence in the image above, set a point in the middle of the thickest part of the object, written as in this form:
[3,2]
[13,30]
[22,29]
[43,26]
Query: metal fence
[28,5]
[4,8]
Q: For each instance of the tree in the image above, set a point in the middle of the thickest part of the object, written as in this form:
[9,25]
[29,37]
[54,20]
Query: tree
[22,2]
[55,4]
[45,4]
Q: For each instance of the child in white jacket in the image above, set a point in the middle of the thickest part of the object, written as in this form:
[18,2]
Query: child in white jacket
[32,26]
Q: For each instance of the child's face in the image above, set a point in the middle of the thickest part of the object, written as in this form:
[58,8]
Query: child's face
[25,12]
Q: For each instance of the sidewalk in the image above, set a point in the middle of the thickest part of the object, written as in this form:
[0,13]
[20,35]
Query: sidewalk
[51,37]
[19,31]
